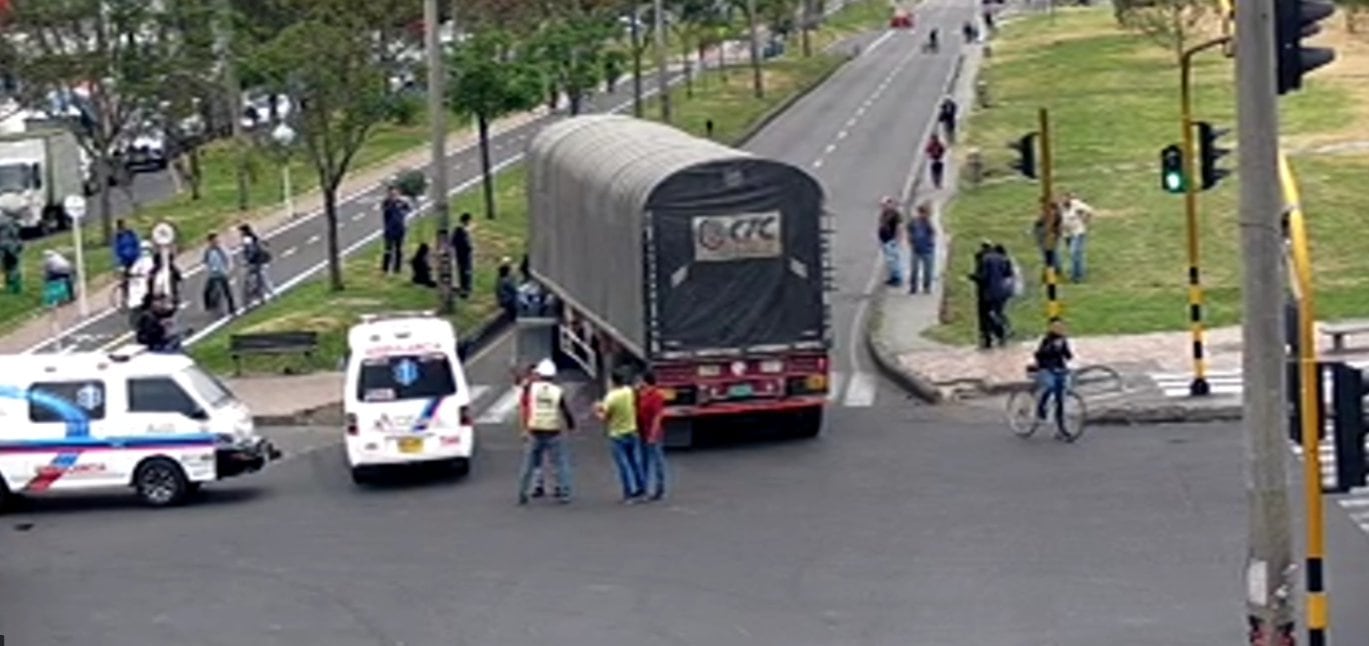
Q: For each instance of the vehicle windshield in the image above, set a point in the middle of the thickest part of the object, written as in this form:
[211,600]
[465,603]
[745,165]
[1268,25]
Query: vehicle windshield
[208,387]
[401,377]
[15,177]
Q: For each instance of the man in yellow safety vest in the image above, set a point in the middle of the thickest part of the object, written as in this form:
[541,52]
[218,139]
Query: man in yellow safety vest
[546,418]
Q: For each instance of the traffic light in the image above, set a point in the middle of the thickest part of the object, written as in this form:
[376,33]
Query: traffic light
[1172,169]
[1293,21]
[1209,153]
[1026,155]
[1348,391]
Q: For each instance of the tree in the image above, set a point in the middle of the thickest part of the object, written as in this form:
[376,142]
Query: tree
[108,59]
[490,78]
[571,50]
[185,100]
[327,62]
[1172,24]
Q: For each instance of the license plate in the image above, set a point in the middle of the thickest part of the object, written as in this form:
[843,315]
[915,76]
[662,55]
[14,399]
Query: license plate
[410,445]
[739,390]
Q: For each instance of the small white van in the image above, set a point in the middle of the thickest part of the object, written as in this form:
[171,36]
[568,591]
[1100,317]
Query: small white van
[156,422]
[406,400]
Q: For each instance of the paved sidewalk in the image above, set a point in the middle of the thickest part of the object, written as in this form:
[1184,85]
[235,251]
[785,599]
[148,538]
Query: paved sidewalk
[292,400]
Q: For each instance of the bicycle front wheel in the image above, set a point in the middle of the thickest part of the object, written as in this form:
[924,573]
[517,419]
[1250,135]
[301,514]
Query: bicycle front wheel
[1071,426]
[1021,413]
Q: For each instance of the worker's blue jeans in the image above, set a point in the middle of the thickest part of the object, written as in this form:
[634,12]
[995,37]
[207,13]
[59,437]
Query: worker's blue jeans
[891,261]
[1051,384]
[539,445]
[627,457]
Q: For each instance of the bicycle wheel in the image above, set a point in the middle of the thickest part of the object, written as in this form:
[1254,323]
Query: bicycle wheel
[1076,414]
[1021,413]
[1097,380]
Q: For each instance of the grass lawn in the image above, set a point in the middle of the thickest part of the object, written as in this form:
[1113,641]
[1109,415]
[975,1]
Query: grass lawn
[1113,101]
[216,210]
[312,306]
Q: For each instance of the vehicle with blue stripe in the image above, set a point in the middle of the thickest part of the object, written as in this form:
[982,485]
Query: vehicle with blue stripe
[406,399]
[155,422]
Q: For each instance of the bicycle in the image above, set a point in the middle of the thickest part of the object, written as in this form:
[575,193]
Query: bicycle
[1023,404]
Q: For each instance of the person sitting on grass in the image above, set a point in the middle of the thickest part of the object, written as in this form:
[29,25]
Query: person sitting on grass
[422,268]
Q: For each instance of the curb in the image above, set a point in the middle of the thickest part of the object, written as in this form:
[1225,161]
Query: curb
[886,360]
[1129,415]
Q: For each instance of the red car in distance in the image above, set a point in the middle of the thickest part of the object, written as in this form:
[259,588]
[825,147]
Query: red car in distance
[901,19]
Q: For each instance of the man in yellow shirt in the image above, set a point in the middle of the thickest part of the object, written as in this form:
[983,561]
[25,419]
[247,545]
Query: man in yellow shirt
[618,410]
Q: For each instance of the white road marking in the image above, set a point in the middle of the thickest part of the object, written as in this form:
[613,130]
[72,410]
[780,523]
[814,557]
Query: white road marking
[834,383]
[501,408]
[831,147]
[878,41]
[861,391]
[1354,502]
[312,239]
[476,391]
[841,135]
[358,216]
[289,252]
[817,163]
[851,122]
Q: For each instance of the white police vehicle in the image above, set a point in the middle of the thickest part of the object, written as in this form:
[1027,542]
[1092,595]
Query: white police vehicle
[156,422]
[406,399]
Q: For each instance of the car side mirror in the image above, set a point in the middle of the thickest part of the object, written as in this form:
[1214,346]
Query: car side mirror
[199,415]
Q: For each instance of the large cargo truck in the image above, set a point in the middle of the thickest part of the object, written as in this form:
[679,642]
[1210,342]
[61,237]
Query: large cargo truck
[705,264]
[39,169]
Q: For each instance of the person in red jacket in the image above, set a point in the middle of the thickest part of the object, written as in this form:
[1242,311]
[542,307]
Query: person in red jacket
[936,157]
[650,410]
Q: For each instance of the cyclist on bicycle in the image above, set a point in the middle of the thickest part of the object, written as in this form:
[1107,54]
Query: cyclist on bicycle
[931,40]
[1052,370]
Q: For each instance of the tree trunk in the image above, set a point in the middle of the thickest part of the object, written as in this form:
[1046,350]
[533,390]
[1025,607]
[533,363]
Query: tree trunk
[240,158]
[196,177]
[688,69]
[636,65]
[486,174]
[330,215]
[702,66]
[757,80]
[102,175]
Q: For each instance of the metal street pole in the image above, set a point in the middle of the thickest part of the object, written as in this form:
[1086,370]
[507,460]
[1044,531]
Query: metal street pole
[1199,386]
[662,80]
[1050,214]
[637,61]
[1269,565]
[1311,420]
[437,118]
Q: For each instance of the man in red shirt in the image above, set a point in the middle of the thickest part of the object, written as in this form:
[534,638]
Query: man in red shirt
[650,407]
[936,155]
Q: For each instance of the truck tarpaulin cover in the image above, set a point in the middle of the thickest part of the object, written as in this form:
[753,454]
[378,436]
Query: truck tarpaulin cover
[679,244]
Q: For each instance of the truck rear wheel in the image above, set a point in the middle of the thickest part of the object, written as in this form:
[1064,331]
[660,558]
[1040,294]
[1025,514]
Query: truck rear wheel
[806,423]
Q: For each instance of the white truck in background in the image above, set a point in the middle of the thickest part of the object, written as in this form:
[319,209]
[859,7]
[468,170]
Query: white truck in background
[38,170]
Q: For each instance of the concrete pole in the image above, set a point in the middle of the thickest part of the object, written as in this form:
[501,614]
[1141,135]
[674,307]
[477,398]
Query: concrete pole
[1269,562]
[662,75]
[637,48]
[437,118]
[232,86]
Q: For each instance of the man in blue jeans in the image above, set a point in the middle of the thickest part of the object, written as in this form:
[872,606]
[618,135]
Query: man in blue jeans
[922,239]
[650,410]
[887,233]
[618,410]
[546,421]
[1052,365]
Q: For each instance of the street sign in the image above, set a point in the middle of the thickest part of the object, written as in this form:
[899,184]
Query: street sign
[164,234]
[75,206]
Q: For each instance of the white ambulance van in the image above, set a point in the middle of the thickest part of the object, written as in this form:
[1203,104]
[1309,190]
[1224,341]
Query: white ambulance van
[155,422]
[406,400]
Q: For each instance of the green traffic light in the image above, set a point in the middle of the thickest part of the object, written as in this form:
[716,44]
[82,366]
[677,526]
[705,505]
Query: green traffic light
[1174,182]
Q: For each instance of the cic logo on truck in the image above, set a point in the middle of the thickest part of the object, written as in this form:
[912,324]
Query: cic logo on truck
[722,238]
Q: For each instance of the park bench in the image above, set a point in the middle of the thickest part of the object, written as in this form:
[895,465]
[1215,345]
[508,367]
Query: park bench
[1338,332]
[271,344]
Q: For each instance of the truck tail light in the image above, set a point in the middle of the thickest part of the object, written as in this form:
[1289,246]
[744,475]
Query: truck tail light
[466,416]
[772,366]
[351,424]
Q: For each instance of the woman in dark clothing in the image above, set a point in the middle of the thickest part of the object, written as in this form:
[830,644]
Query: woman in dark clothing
[422,268]
[1052,365]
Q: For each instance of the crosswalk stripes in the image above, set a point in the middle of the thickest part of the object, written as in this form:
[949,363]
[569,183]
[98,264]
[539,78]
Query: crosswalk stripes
[501,410]
[1224,382]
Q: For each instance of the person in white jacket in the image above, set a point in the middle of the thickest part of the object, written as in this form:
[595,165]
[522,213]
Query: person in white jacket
[139,274]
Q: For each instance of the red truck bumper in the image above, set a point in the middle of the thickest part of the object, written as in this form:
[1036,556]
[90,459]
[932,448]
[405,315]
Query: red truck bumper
[746,408]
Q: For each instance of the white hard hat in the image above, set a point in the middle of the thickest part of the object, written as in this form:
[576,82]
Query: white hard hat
[545,368]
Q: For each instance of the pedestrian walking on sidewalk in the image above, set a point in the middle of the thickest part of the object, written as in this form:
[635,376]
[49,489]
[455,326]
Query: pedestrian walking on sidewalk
[650,424]
[218,266]
[1007,288]
[618,411]
[922,240]
[946,116]
[1075,218]
[936,156]
[394,213]
[256,256]
[464,252]
[546,420]
[990,274]
[887,233]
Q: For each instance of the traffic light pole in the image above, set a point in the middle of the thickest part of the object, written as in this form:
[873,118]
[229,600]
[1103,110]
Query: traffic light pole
[1051,217]
[1311,421]
[1199,386]
[1269,561]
